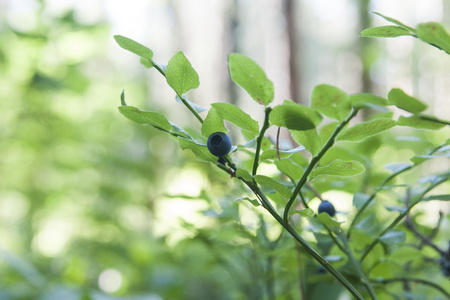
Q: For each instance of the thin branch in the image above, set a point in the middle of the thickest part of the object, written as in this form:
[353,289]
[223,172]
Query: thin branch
[314,162]
[380,187]
[415,280]
[260,138]
[425,240]
[400,217]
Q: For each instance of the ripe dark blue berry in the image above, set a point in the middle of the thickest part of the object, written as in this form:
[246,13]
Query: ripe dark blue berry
[219,144]
[327,207]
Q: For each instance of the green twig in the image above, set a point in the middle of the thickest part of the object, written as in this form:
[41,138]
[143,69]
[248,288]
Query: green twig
[400,217]
[266,204]
[303,200]
[372,196]
[417,280]
[380,187]
[358,266]
[314,161]
[260,139]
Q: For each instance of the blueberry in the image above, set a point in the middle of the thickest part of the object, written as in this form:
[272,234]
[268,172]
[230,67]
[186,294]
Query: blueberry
[219,144]
[327,207]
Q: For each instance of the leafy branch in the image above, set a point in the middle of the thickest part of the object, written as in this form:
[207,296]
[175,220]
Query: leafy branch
[314,162]
[415,280]
[401,216]
[180,85]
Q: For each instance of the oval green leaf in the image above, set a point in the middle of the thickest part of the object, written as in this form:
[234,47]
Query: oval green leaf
[306,213]
[213,123]
[134,47]
[155,119]
[180,75]
[279,187]
[435,34]
[331,101]
[273,154]
[389,31]
[200,151]
[340,168]
[417,121]
[236,116]
[294,116]
[365,100]
[400,99]
[309,139]
[326,220]
[251,77]
[362,131]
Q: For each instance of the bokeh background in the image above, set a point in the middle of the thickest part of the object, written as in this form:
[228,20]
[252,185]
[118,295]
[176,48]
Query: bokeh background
[93,206]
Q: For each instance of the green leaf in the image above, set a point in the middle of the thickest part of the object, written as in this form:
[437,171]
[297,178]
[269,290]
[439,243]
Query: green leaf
[435,34]
[272,153]
[244,174]
[385,31]
[340,168]
[384,270]
[279,187]
[212,123]
[235,115]
[326,220]
[289,168]
[180,75]
[417,122]
[134,47]
[155,119]
[309,139]
[362,131]
[306,213]
[445,197]
[246,73]
[294,116]
[200,151]
[393,237]
[365,100]
[404,254]
[331,101]
[400,99]
[396,22]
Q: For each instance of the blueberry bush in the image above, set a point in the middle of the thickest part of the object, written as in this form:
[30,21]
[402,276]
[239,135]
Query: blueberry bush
[374,250]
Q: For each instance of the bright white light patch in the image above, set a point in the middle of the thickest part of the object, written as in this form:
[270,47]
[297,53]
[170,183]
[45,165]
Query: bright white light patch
[110,281]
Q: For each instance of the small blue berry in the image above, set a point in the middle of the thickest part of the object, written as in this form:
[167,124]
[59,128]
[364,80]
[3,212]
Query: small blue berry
[327,207]
[219,144]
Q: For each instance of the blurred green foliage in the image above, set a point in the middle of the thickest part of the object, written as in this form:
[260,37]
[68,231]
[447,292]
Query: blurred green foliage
[81,189]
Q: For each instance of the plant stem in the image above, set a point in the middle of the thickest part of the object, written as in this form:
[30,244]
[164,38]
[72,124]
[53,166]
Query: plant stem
[358,266]
[400,217]
[422,281]
[372,196]
[266,204]
[260,138]
[313,163]
[389,178]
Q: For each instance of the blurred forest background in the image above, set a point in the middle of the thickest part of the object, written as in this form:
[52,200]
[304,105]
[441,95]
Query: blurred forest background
[93,206]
